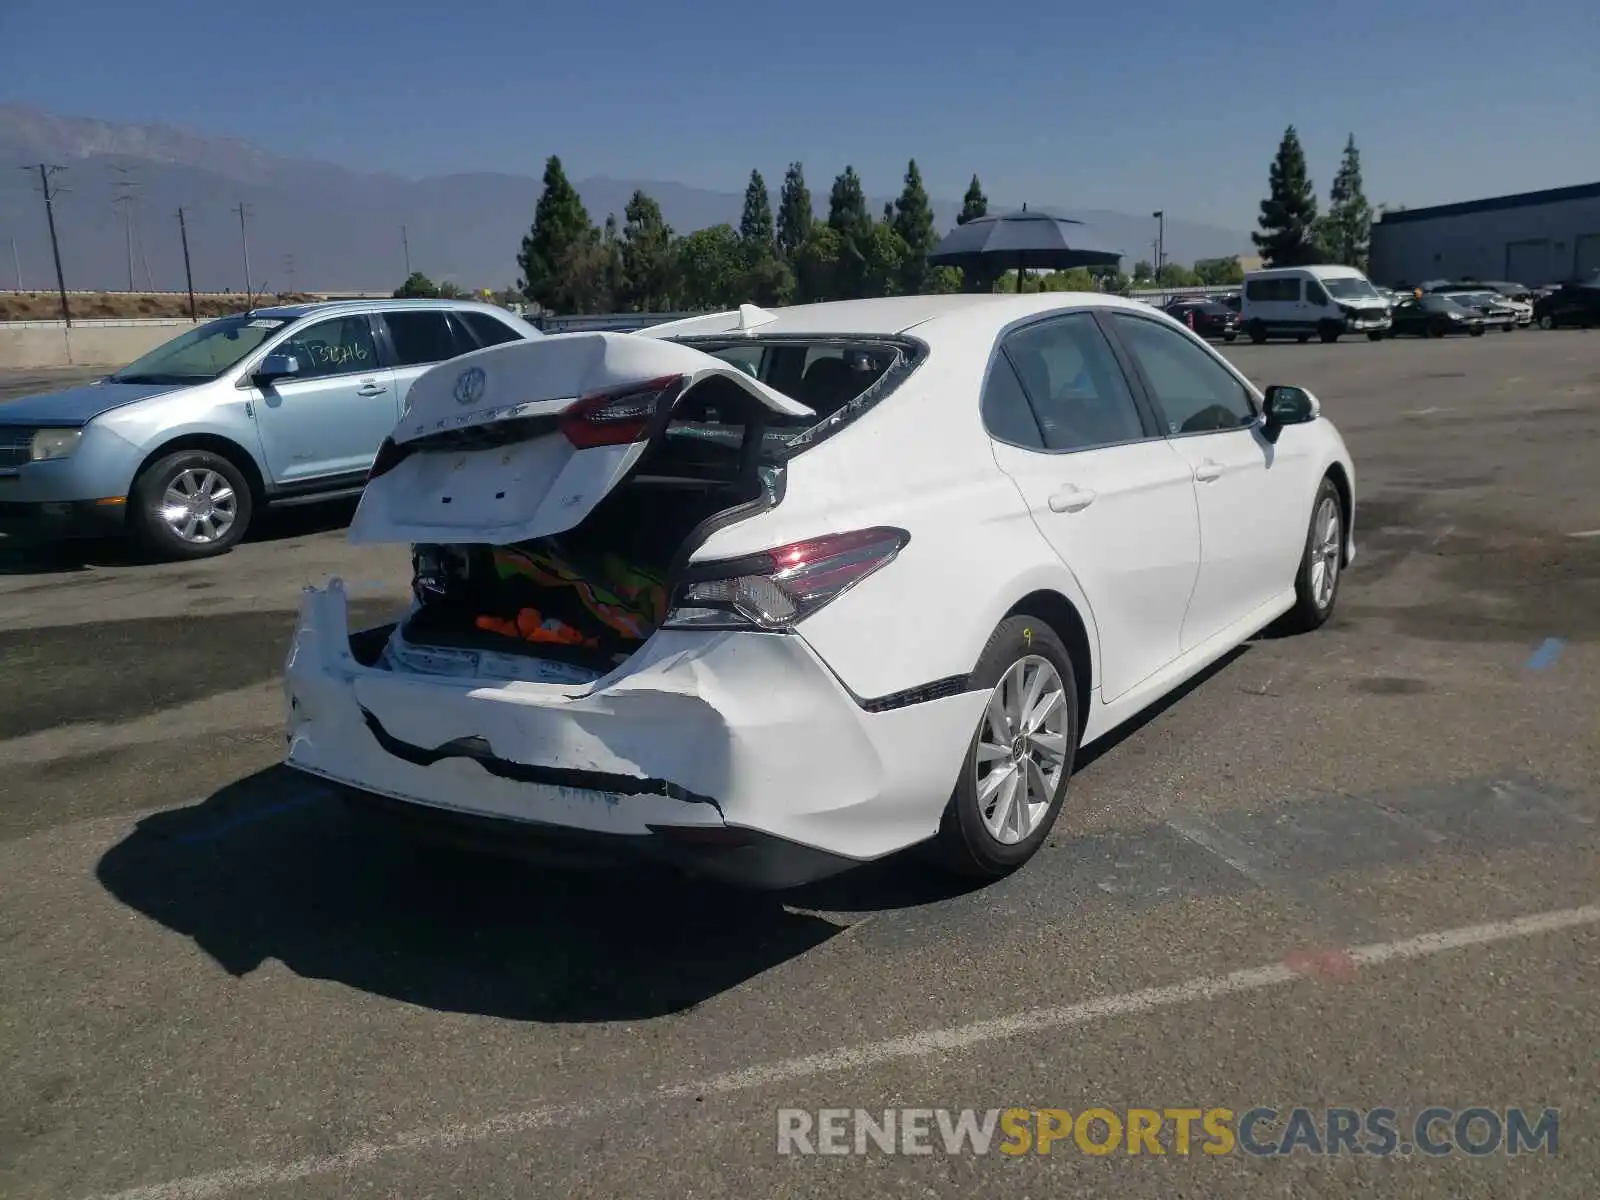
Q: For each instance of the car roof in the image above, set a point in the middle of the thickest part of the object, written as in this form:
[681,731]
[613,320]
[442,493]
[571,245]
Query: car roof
[888,316]
[1317,271]
[290,312]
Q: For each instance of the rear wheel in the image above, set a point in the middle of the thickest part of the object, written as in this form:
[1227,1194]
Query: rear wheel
[1316,587]
[1228,337]
[1257,332]
[1329,332]
[191,504]
[1014,777]
[1547,322]
[1375,335]
[1475,331]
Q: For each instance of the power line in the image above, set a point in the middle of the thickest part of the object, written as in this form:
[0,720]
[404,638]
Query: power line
[46,172]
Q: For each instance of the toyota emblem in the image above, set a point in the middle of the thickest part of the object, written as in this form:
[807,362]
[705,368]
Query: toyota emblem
[470,385]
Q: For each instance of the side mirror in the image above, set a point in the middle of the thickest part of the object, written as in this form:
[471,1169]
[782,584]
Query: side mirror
[276,366]
[1286,405]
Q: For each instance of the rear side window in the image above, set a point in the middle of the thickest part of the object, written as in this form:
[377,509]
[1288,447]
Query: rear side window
[1006,413]
[488,330]
[1075,384]
[421,337]
[1275,289]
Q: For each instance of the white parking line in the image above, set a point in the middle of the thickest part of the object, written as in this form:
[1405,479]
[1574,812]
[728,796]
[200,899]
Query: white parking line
[1585,533]
[869,1054]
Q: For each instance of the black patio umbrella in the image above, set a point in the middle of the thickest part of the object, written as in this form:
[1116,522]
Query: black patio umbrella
[1024,239]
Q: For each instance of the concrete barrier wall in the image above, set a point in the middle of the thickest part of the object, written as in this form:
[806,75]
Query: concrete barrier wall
[81,346]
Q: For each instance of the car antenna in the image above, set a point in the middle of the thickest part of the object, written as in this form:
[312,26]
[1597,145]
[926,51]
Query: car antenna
[751,317]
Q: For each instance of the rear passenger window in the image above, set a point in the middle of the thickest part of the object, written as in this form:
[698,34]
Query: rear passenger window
[1075,384]
[1006,414]
[1192,390]
[422,336]
[488,330]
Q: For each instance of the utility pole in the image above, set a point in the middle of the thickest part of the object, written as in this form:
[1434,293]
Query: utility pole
[17,263]
[46,170]
[288,269]
[126,190]
[188,275]
[243,210]
[405,242]
[1161,241]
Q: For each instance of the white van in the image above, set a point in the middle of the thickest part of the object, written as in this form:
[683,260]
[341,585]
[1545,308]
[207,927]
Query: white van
[1298,302]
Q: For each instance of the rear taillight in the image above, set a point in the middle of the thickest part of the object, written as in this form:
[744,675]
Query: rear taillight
[620,416]
[774,590]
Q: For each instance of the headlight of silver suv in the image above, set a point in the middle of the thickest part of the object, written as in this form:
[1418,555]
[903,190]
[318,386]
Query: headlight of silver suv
[54,443]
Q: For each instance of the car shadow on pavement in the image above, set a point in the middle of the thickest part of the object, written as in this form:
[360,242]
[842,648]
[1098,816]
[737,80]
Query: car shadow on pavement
[272,867]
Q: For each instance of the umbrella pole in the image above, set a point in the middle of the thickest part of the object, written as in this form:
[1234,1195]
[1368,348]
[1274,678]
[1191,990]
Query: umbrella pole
[1019,274]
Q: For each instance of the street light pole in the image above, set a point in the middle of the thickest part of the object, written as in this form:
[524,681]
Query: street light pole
[1161,241]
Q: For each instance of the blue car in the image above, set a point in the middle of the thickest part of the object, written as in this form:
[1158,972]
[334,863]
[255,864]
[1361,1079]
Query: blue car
[275,406]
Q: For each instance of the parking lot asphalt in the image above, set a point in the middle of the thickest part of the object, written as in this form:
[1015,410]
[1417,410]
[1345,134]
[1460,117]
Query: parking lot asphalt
[1355,868]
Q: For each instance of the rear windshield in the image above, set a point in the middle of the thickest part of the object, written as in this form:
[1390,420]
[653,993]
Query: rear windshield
[838,378]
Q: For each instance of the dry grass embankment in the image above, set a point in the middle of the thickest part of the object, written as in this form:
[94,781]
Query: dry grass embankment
[46,306]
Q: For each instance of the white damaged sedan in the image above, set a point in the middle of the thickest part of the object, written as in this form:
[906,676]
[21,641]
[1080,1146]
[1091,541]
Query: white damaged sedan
[771,594]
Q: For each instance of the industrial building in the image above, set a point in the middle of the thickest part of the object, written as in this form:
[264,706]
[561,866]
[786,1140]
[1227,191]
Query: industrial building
[1534,238]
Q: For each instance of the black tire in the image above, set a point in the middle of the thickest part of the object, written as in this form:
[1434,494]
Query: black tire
[160,538]
[1229,337]
[964,844]
[1375,335]
[1257,332]
[1329,332]
[1547,322]
[1475,331]
[1302,339]
[1308,613]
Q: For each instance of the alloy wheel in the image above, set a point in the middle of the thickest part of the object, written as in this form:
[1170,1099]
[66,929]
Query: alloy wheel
[1323,553]
[1022,749]
[199,506]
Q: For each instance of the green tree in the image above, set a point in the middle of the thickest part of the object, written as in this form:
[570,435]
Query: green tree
[558,244]
[913,222]
[1174,275]
[1143,270]
[795,213]
[647,257]
[884,255]
[755,223]
[974,203]
[1219,272]
[710,263]
[1348,229]
[1288,219]
[613,271]
[817,266]
[943,281]
[847,205]
[416,285]
[449,290]
[769,282]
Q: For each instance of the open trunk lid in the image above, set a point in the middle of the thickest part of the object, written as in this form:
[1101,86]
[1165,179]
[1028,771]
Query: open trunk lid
[521,441]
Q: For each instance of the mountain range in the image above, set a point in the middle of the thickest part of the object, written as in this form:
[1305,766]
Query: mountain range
[317,226]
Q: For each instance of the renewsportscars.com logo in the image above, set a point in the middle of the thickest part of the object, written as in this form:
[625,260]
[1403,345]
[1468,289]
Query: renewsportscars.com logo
[1260,1131]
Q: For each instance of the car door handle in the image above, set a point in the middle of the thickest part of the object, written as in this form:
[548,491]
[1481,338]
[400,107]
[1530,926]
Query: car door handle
[1208,472]
[1071,499]
[371,389]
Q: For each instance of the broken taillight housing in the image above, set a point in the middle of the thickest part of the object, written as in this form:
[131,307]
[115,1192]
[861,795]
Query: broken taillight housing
[775,589]
[622,415]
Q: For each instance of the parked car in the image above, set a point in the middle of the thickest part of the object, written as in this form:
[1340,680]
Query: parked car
[1433,316]
[274,406]
[669,607]
[1570,304]
[1497,312]
[1299,302]
[1206,317]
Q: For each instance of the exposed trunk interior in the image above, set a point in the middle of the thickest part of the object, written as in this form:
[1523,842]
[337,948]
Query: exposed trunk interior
[591,596]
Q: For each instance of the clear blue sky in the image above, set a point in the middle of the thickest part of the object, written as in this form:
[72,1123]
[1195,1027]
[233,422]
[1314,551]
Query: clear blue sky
[1127,106]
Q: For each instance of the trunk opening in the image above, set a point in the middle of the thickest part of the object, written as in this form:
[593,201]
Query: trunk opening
[589,597]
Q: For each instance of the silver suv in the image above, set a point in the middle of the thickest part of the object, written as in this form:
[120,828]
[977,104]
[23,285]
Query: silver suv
[273,406]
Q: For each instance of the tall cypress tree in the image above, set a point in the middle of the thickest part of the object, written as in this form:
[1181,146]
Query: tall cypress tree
[1349,224]
[974,203]
[755,225]
[795,213]
[847,204]
[913,221]
[1288,220]
[561,235]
